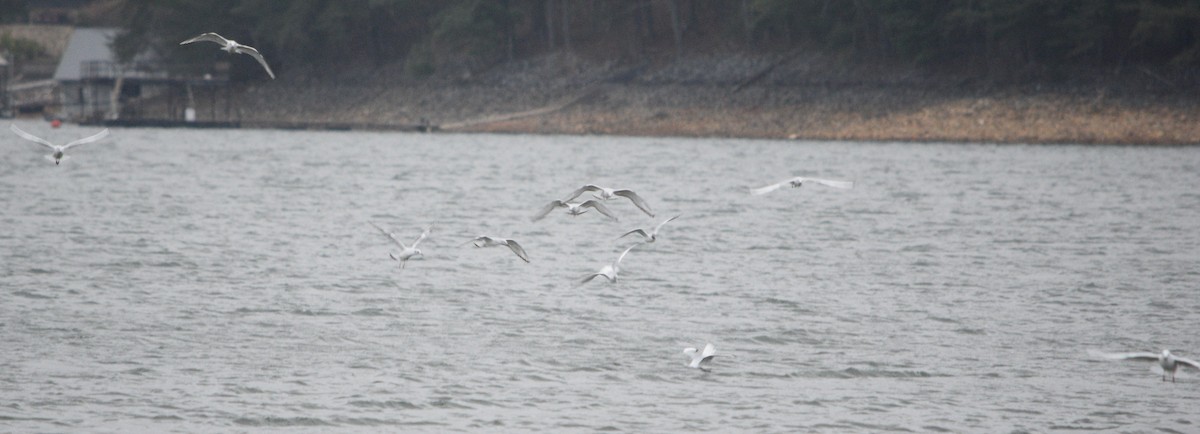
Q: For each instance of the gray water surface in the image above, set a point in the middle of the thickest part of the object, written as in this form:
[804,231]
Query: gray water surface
[228,280]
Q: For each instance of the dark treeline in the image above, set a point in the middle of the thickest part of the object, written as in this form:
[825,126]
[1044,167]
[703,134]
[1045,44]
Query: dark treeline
[977,36]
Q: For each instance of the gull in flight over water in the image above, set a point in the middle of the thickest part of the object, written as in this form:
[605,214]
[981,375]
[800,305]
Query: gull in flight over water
[609,271]
[574,208]
[700,357]
[1169,362]
[652,235]
[408,251]
[799,181]
[486,241]
[58,156]
[233,48]
[609,193]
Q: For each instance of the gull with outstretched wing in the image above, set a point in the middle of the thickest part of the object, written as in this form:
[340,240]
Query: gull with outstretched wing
[573,208]
[406,252]
[486,241]
[800,181]
[609,193]
[233,47]
[58,156]
[1169,362]
[608,271]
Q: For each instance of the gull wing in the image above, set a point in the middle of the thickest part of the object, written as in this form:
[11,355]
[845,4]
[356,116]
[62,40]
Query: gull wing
[635,231]
[210,37]
[626,252]
[1189,362]
[830,182]
[259,57]
[769,188]
[1145,357]
[390,235]
[704,356]
[637,200]
[516,248]
[483,238]
[546,209]
[31,137]
[86,140]
[660,225]
[592,203]
[588,278]
[423,236]
[581,190]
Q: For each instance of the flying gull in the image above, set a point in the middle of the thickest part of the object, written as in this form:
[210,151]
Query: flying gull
[58,155]
[1168,361]
[799,181]
[609,271]
[574,208]
[486,241]
[233,48]
[609,193]
[652,235]
[703,356]
[408,251]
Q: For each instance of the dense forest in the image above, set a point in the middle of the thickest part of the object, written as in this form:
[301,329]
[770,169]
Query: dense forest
[988,36]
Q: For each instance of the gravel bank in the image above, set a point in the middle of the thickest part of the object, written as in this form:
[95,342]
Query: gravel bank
[746,96]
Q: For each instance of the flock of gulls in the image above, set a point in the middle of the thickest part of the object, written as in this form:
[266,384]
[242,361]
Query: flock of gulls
[1167,361]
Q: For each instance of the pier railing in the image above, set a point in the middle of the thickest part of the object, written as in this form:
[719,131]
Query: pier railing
[147,71]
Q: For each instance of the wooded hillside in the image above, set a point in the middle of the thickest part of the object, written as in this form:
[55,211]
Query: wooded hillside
[993,37]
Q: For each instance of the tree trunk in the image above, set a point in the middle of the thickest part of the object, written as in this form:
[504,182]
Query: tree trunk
[508,29]
[746,23]
[114,98]
[676,27]
[550,23]
[566,25]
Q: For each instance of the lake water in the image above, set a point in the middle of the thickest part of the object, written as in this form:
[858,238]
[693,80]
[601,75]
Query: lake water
[228,280]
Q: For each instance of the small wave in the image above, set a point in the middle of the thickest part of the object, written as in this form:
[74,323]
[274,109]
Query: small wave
[281,421]
[448,403]
[252,310]
[876,373]
[138,371]
[1161,305]
[370,421]
[391,403]
[1089,428]
[371,311]
[878,427]
[1113,414]
[770,340]
[28,294]
[652,377]
[310,312]
[1019,411]
[935,428]
[919,248]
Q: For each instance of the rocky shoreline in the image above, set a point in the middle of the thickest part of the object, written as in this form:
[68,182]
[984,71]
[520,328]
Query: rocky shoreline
[741,96]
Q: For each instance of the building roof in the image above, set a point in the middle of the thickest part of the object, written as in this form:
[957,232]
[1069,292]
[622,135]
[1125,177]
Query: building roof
[86,44]
[57,4]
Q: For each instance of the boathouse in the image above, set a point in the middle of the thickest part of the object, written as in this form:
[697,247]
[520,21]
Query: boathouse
[93,87]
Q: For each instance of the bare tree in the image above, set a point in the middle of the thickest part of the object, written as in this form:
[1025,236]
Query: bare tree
[676,27]
[566,25]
